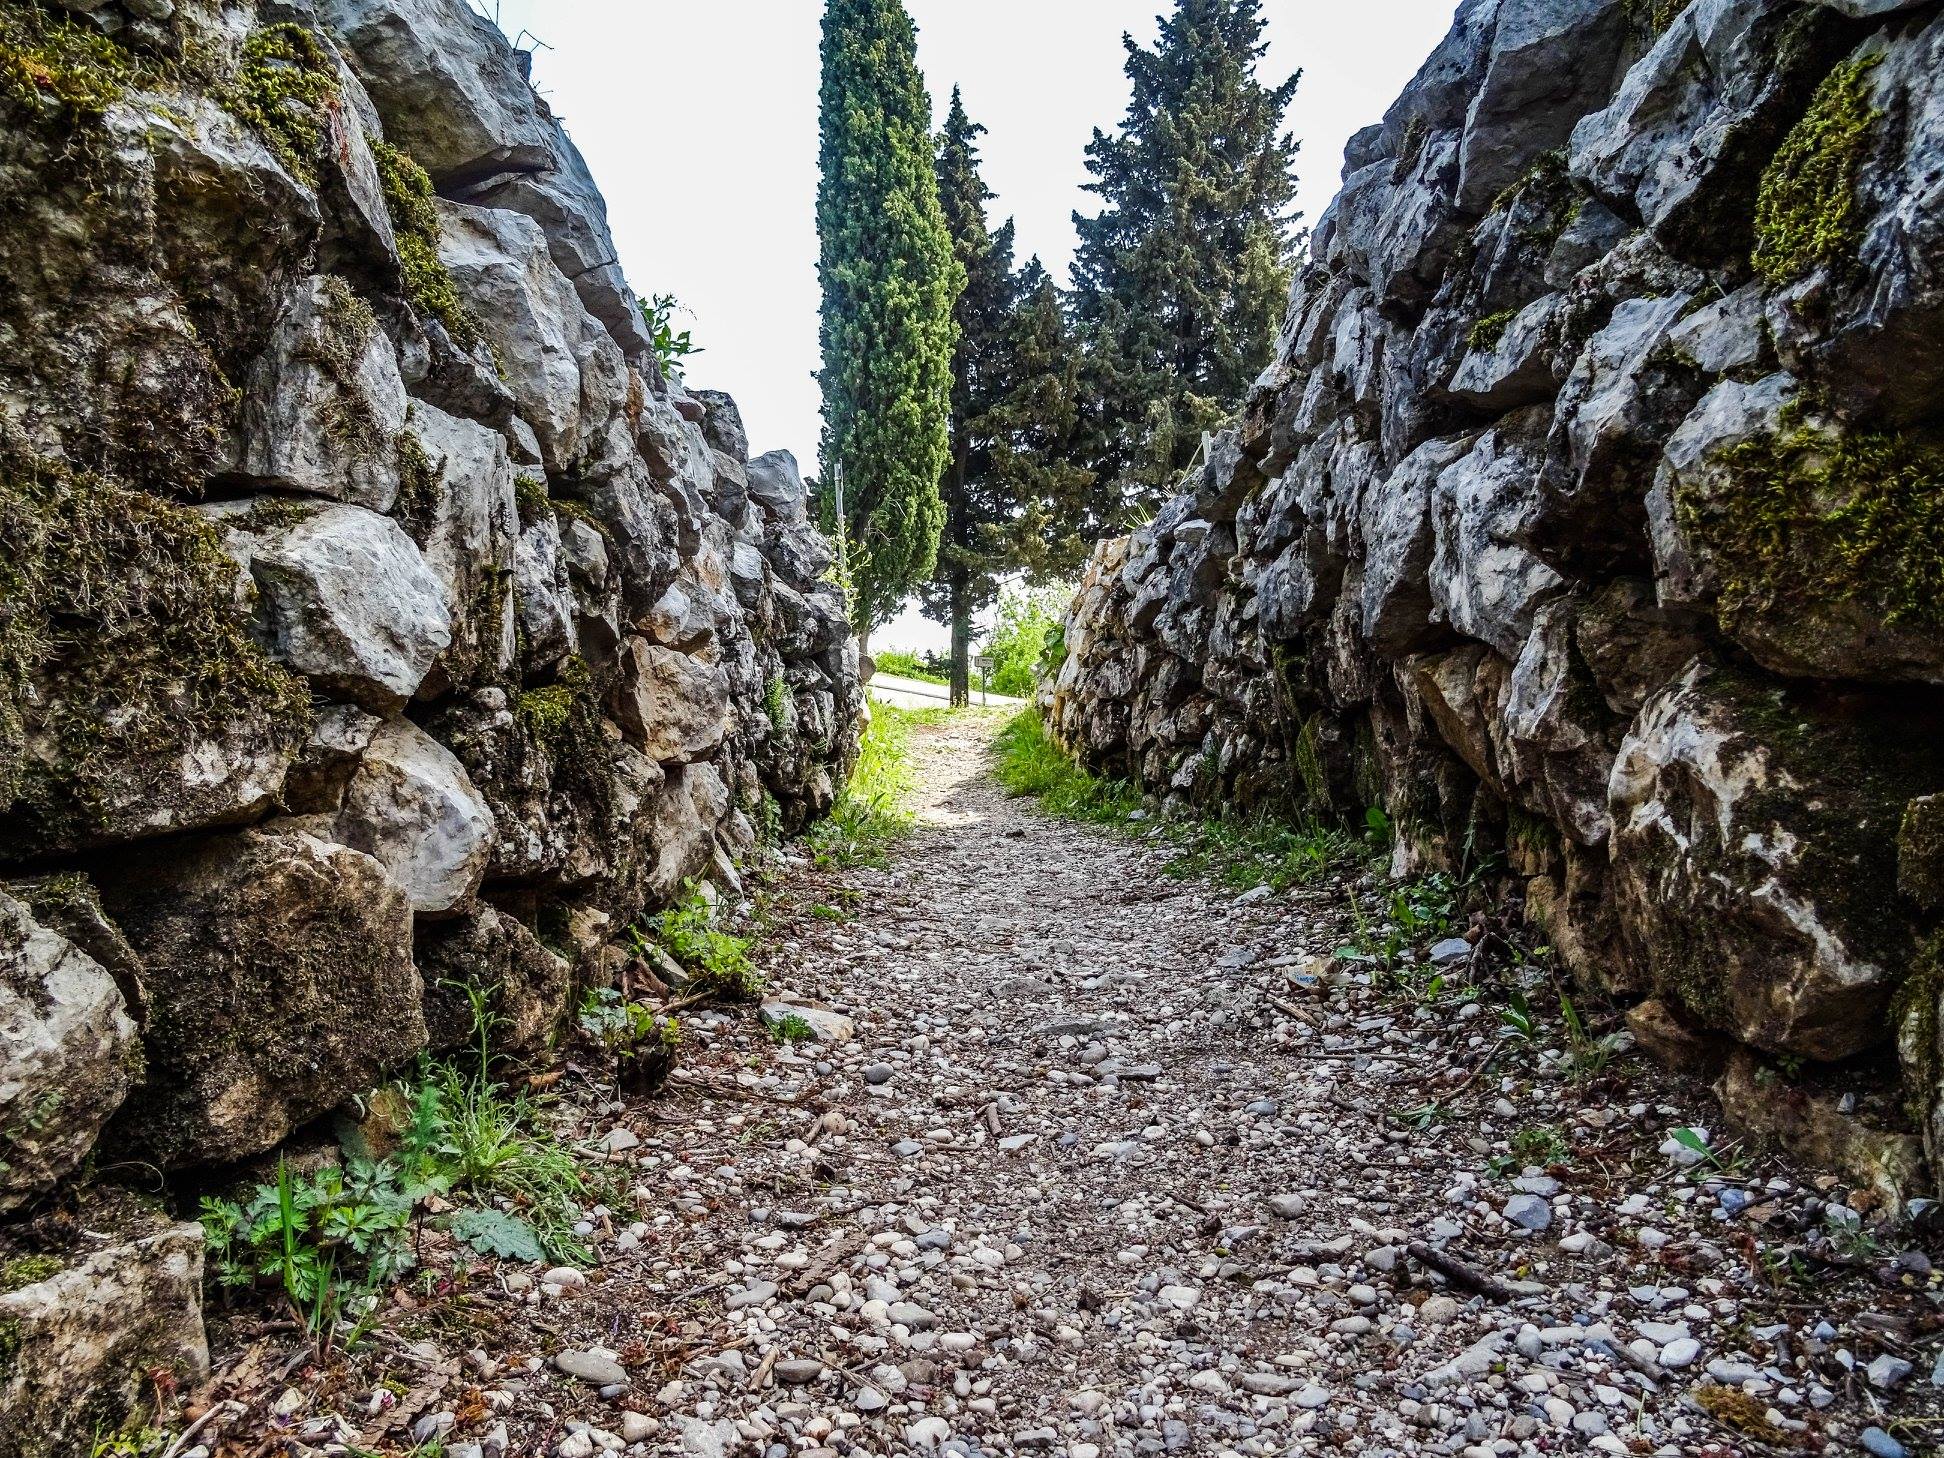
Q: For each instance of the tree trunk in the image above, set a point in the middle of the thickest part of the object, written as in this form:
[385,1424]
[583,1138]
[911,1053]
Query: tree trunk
[961,640]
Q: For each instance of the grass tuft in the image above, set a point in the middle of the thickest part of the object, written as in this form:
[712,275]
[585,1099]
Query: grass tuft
[1238,852]
[870,816]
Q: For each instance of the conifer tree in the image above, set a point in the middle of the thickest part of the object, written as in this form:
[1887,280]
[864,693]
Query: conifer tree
[889,282]
[1180,280]
[1010,495]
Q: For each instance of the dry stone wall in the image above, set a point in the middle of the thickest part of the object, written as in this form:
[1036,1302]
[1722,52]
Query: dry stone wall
[1593,511]
[375,615]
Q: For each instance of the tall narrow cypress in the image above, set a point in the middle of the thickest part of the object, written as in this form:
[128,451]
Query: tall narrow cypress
[1180,280]
[889,283]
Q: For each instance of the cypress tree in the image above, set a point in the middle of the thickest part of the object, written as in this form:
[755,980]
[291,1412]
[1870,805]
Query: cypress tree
[889,281]
[1010,496]
[1180,280]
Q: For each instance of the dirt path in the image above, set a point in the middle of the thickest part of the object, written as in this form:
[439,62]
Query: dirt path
[1108,1167]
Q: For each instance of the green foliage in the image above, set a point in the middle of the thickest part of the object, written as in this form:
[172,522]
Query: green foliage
[791,1028]
[1031,763]
[1819,516]
[121,639]
[1181,281]
[1014,501]
[908,665]
[531,496]
[717,961]
[776,701]
[331,1241]
[495,1233]
[1541,1144]
[870,816]
[1258,851]
[411,202]
[672,346]
[889,279]
[1406,916]
[1805,212]
[1029,623]
[1487,332]
[58,68]
[641,1043]
[281,91]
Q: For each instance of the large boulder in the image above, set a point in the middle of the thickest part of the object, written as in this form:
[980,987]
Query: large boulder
[325,403]
[86,1347]
[343,597]
[69,1053]
[1810,540]
[280,983]
[412,806]
[448,85]
[523,987]
[1755,857]
[676,707]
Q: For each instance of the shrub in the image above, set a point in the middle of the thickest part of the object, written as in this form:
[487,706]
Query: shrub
[1029,623]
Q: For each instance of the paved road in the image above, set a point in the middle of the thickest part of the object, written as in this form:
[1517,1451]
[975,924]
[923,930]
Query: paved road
[916,693]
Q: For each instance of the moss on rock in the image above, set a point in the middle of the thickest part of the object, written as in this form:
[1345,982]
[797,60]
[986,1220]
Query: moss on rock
[121,640]
[410,200]
[286,80]
[58,68]
[1805,211]
[1820,516]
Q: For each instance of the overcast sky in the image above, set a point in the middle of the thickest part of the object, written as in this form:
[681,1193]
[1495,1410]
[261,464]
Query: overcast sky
[699,119]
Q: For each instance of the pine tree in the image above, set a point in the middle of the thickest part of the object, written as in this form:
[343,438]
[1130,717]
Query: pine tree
[1180,281]
[1010,497]
[889,282]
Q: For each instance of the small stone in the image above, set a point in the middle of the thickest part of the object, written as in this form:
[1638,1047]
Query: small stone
[1529,1212]
[878,1074]
[1879,1444]
[1887,1372]
[1683,1352]
[591,1368]
[799,1373]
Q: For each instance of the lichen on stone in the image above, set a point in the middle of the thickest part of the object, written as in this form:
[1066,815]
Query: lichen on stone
[1806,210]
[1818,515]
[409,199]
[346,326]
[285,81]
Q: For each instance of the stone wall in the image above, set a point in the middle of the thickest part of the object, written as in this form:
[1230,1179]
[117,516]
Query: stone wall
[374,613]
[1594,512]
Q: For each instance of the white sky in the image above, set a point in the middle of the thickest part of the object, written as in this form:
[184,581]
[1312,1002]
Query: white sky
[699,120]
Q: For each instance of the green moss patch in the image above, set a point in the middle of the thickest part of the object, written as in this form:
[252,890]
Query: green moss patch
[120,638]
[409,199]
[1805,212]
[1817,516]
[281,91]
[547,713]
[1487,332]
[56,68]
[530,493]
[28,1271]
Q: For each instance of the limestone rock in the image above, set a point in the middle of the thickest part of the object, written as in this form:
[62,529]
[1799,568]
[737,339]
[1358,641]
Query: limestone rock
[84,1345]
[413,808]
[69,1053]
[280,981]
[344,597]
[674,706]
[1755,861]
[326,405]
[527,986]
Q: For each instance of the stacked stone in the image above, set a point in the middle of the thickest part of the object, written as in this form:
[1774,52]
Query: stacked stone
[1589,511]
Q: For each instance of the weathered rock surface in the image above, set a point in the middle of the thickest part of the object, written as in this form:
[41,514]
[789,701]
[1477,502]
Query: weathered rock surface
[85,1346]
[1580,512]
[371,568]
[68,1054]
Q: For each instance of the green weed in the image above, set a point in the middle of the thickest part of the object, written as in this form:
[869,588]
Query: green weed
[870,816]
[717,961]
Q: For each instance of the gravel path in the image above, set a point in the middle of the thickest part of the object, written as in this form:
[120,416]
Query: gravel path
[1106,1162]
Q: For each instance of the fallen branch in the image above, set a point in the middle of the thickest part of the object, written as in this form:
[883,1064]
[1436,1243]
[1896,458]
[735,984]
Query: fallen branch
[1461,1273]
